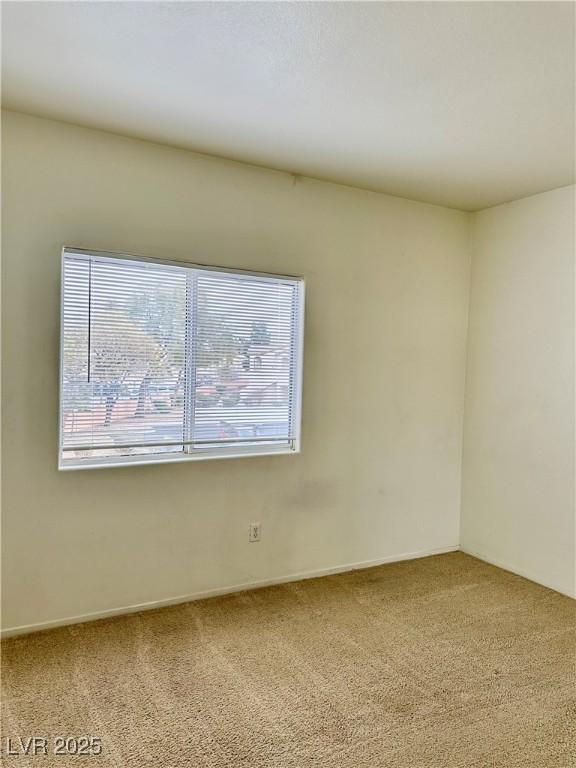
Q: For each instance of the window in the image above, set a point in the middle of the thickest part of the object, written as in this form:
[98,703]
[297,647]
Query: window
[165,361]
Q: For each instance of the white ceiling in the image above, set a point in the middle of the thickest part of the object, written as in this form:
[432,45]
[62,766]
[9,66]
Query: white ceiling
[463,104]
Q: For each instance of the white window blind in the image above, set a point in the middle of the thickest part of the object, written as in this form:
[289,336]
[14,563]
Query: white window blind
[165,361]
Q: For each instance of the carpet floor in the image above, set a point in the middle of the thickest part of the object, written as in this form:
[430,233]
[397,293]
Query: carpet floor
[442,662]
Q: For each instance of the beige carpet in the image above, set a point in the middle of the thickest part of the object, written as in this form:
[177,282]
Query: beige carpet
[442,662]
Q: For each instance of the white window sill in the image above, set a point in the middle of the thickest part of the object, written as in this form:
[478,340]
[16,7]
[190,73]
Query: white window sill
[170,458]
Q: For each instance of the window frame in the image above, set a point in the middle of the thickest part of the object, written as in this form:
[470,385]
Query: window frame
[196,454]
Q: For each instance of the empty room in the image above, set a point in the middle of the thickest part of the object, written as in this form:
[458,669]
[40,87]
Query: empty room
[288,387]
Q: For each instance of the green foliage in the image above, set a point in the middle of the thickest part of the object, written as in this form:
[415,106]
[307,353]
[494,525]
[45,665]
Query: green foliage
[260,335]
[217,345]
[120,347]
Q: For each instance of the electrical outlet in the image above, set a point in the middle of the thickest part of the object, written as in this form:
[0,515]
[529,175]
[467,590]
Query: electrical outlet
[255,532]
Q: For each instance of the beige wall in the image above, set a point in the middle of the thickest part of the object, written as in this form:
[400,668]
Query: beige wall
[379,473]
[518,478]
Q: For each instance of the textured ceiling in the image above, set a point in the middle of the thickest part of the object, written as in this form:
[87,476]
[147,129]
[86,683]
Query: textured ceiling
[462,104]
